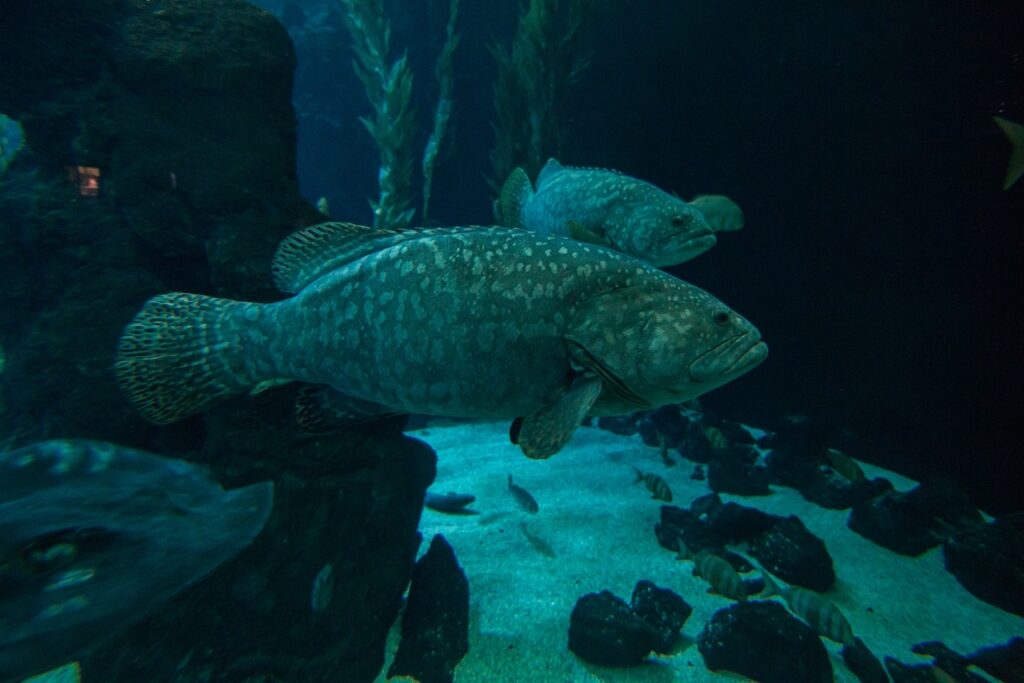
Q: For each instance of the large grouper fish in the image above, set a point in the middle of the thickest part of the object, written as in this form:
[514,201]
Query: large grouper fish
[615,210]
[478,322]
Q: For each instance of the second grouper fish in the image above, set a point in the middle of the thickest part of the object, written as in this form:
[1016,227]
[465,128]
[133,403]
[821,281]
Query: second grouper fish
[493,323]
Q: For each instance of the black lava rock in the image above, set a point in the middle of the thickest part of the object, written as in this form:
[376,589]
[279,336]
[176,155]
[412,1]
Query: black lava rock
[798,469]
[666,422]
[794,554]
[894,522]
[736,470]
[834,491]
[943,500]
[709,524]
[624,425]
[988,560]
[435,624]
[1005,662]
[762,641]
[665,611]
[604,630]
[863,663]
[698,473]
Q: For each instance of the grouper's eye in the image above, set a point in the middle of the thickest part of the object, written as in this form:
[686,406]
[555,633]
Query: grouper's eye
[720,317]
[678,221]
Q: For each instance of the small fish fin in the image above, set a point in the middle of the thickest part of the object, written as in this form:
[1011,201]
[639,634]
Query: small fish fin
[320,408]
[69,673]
[1015,134]
[770,587]
[516,191]
[683,551]
[179,356]
[514,429]
[720,212]
[583,234]
[638,475]
[551,168]
[545,432]
[269,384]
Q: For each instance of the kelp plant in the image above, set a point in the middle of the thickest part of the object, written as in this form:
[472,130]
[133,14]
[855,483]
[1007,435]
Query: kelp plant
[393,123]
[535,73]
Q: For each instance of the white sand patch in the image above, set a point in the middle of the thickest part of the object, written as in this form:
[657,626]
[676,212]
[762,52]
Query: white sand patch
[599,526]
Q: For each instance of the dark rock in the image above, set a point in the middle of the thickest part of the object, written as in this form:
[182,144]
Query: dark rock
[926,673]
[762,641]
[698,473]
[834,491]
[863,663]
[947,658]
[943,500]
[709,524]
[988,560]
[894,522]
[1005,662]
[794,554]
[604,630]
[736,470]
[739,563]
[666,422]
[794,468]
[344,500]
[695,446]
[665,611]
[624,425]
[753,586]
[435,623]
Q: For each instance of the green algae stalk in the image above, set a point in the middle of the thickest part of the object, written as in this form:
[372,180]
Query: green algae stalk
[446,81]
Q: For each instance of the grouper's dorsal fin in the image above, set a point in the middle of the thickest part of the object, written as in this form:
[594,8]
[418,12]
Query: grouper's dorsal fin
[307,254]
[550,168]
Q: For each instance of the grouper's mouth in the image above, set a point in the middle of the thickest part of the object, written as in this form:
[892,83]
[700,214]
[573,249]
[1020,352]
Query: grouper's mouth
[673,250]
[732,357]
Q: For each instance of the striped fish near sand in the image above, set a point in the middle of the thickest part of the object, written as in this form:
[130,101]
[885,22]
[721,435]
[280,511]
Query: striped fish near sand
[722,576]
[656,485]
[814,608]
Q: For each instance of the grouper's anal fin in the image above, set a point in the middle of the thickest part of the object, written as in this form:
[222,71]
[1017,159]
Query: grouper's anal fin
[546,431]
[320,408]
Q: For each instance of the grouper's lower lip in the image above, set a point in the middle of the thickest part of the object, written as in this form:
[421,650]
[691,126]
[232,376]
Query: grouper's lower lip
[671,254]
[733,356]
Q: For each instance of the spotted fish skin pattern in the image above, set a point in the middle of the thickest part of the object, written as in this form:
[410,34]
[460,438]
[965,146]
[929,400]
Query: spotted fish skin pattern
[628,214]
[814,608]
[469,322]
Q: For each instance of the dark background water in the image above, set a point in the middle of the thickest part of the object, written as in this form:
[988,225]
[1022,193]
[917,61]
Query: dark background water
[881,259]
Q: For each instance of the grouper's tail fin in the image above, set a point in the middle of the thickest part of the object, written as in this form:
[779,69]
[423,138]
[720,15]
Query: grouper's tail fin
[180,355]
[516,191]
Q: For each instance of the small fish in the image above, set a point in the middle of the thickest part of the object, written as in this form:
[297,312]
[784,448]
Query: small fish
[722,576]
[608,208]
[93,536]
[448,502]
[323,207]
[721,213]
[523,497]
[814,608]
[69,673]
[323,589]
[655,484]
[715,438]
[844,465]
[1015,134]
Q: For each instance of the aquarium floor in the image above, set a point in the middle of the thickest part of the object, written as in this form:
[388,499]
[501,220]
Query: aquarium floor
[594,532]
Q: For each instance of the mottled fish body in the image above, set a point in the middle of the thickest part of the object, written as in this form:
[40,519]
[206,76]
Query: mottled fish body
[609,208]
[656,485]
[722,576]
[491,323]
[522,497]
[814,608]
[448,502]
[844,465]
[94,535]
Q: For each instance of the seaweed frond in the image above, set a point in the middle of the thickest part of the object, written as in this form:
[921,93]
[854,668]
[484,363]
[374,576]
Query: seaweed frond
[444,71]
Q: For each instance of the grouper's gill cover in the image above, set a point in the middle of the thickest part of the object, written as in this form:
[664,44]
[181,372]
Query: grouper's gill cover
[94,535]
[472,321]
[607,207]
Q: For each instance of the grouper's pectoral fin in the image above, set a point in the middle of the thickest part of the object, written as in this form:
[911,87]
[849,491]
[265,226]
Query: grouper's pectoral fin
[545,432]
[583,234]
[320,408]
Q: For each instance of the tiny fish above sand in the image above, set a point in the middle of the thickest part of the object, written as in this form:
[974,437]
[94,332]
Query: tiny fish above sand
[493,323]
[607,208]
[522,497]
[814,608]
[722,576]
[656,485]
[448,502]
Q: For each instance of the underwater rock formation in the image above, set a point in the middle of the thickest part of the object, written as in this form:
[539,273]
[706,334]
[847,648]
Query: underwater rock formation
[352,501]
[863,663]
[663,610]
[184,113]
[795,555]
[435,623]
[762,641]
[988,560]
[736,470]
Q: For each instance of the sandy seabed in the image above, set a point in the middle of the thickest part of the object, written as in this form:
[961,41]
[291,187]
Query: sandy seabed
[595,531]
